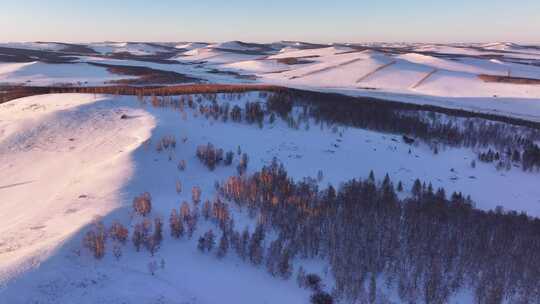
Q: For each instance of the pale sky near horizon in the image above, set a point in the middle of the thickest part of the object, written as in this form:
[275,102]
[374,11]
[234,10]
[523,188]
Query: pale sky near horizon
[271,20]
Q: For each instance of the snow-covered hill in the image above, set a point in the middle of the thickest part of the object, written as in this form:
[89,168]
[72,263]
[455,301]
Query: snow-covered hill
[67,159]
[135,48]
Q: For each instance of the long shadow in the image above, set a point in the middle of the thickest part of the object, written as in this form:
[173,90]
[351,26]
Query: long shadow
[71,274]
[69,266]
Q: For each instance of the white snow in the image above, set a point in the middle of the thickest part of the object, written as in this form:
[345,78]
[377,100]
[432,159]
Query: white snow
[441,74]
[134,48]
[68,158]
[106,163]
[233,45]
[7,68]
[39,73]
[191,45]
[42,46]
[213,56]
[70,145]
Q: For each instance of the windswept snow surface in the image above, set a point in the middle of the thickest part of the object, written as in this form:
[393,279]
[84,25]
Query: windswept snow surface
[39,73]
[7,68]
[41,46]
[70,145]
[82,161]
[234,45]
[441,74]
[445,72]
[135,48]
[191,45]
[68,158]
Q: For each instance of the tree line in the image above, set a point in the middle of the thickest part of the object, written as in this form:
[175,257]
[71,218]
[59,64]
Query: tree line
[428,246]
[480,132]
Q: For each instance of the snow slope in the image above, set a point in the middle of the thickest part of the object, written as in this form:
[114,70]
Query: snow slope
[39,73]
[213,56]
[72,145]
[191,45]
[8,68]
[42,46]
[134,48]
[105,153]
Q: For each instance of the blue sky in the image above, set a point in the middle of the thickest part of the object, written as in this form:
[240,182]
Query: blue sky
[271,20]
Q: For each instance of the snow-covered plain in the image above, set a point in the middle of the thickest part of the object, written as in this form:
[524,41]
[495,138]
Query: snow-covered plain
[45,46]
[69,158]
[43,74]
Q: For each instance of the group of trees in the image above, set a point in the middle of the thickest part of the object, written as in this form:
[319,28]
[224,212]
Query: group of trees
[451,129]
[95,238]
[211,157]
[148,234]
[142,204]
[445,127]
[207,241]
[531,157]
[428,246]
[165,143]
[435,126]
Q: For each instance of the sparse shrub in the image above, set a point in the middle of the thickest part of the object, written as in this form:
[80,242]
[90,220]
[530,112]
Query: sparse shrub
[210,156]
[242,166]
[153,241]
[117,251]
[301,277]
[201,243]
[140,233]
[236,114]
[178,187]
[206,242]
[284,266]
[185,212]
[189,217]
[118,232]
[254,112]
[176,225]
[142,204]
[229,158]
[152,267]
[206,209]
[165,143]
[223,246]
[196,194]
[181,165]
[95,238]
[320,176]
